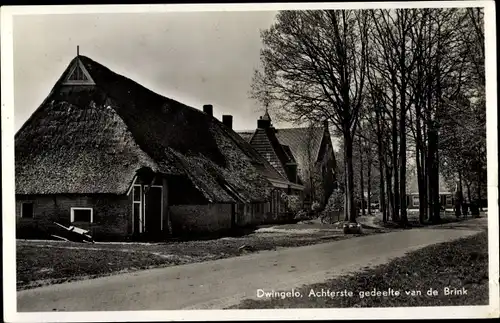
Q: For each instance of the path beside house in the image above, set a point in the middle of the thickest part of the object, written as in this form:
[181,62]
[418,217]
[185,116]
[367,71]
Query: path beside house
[222,283]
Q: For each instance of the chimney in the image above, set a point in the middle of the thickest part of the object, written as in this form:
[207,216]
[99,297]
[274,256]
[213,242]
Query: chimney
[263,123]
[227,120]
[208,109]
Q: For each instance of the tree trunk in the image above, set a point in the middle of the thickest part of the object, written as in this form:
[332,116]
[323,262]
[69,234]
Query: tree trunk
[395,203]
[479,192]
[361,177]
[429,150]
[348,146]
[369,184]
[425,172]
[430,175]
[420,152]
[433,189]
[381,200]
[346,213]
[390,199]
[435,133]
[381,160]
[402,159]
[459,196]
[469,196]
[460,181]
[436,187]
[429,192]
[421,186]
[402,125]
[419,92]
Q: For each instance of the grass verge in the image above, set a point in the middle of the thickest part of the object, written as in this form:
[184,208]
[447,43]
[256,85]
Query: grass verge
[37,266]
[459,264]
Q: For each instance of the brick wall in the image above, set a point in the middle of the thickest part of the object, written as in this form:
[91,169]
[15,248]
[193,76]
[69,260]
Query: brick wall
[200,218]
[252,214]
[111,214]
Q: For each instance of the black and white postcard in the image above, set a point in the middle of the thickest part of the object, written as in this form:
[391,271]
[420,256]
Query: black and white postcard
[249,161]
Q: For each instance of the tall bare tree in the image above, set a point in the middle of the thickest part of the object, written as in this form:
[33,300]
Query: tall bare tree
[314,68]
[407,92]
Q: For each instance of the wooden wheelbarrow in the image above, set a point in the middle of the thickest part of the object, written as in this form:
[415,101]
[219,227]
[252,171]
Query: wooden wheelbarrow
[75,234]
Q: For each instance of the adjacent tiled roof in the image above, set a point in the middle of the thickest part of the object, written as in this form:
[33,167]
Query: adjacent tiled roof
[94,139]
[298,145]
[289,154]
[266,144]
[246,135]
[304,143]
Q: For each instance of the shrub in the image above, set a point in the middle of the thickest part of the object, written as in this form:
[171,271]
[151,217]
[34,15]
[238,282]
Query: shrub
[315,207]
[293,203]
[335,201]
[301,215]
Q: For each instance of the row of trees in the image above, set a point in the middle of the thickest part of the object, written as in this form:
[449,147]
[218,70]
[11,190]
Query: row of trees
[402,88]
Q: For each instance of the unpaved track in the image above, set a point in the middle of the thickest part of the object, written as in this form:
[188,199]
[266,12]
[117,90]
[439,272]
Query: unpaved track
[222,283]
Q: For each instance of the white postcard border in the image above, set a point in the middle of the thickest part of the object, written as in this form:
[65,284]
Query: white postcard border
[8,184]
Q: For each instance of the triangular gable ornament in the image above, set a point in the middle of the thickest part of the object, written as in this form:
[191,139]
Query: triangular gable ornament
[78,75]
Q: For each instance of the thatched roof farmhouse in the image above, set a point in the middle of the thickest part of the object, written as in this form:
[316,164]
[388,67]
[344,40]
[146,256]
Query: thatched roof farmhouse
[122,160]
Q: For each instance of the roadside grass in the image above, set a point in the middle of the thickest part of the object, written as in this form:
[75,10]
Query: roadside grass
[50,262]
[458,264]
[37,266]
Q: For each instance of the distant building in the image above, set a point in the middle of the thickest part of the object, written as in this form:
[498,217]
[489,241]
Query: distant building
[446,194]
[106,154]
[304,155]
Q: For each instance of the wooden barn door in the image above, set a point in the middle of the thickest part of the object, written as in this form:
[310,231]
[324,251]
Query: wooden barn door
[154,211]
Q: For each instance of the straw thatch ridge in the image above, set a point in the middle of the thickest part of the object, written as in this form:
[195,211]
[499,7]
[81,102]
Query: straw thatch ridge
[93,139]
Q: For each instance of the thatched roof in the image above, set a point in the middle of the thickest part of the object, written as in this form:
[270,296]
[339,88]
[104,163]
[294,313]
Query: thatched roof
[94,139]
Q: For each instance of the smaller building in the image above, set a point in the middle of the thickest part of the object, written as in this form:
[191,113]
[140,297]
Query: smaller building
[283,176]
[446,195]
[304,155]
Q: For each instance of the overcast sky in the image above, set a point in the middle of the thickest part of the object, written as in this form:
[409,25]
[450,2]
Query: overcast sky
[194,57]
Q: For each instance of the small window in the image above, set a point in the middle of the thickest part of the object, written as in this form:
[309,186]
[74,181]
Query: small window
[81,214]
[416,201]
[27,210]
[78,76]
[449,200]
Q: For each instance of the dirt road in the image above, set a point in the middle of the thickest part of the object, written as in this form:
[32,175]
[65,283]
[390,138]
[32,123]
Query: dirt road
[222,283]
